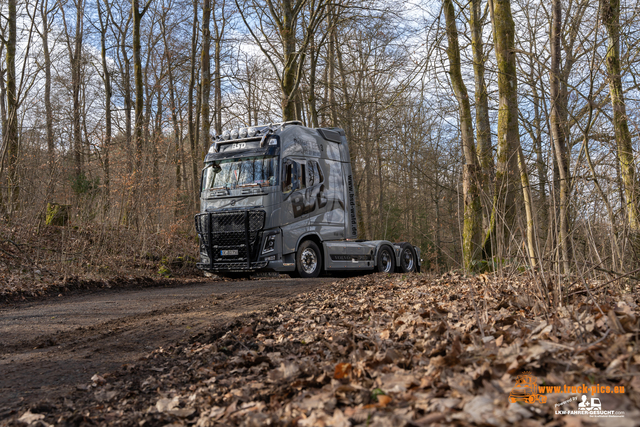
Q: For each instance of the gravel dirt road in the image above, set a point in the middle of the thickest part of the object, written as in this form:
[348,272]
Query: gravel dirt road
[47,348]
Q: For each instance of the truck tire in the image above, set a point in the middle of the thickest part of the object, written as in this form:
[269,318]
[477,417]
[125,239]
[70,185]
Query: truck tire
[308,259]
[408,261]
[386,260]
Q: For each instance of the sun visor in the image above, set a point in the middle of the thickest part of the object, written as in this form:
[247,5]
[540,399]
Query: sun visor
[228,154]
[238,146]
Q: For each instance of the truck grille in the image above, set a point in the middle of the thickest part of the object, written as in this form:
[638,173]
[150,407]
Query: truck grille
[231,238]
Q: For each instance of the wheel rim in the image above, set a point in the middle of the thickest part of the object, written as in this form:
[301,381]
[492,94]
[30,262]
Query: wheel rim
[407,258]
[309,261]
[385,260]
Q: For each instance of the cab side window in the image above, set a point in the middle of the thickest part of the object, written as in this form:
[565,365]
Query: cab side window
[294,176]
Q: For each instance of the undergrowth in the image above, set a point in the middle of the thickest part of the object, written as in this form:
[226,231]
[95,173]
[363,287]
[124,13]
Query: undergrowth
[33,259]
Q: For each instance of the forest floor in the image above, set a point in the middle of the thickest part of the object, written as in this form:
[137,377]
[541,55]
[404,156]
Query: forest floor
[382,350]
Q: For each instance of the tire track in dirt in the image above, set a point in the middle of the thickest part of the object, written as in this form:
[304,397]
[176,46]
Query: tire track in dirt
[39,361]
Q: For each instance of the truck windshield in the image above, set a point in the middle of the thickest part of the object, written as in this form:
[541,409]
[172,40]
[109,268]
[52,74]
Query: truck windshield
[240,172]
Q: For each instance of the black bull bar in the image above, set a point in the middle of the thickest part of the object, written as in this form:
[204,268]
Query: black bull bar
[232,239]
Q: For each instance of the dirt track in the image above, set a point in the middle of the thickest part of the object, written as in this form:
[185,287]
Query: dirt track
[48,348]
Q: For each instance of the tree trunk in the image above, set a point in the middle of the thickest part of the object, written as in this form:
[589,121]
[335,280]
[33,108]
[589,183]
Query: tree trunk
[139,88]
[192,125]
[289,73]
[528,208]
[128,101]
[149,92]
[217,90]
[10,127]
[331,78]
[472,228]
[47,85]
[611,20]
[483,126]
[3,108]
[107,93]
[177,134]
[541,165]
[558,126]
[507,181]
[205,83]
[76,76]
[219,25]
[313,109]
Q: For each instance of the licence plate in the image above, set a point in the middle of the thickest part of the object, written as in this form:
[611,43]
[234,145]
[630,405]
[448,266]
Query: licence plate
[228,252]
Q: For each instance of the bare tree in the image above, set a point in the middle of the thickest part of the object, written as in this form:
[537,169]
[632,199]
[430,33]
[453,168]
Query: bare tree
[472,229]
[137,15]
[10,126]
[558,126]
[483,126]
[221,15]
[285,16]
[611,20]
[205,81]
[74,47]
[103,18]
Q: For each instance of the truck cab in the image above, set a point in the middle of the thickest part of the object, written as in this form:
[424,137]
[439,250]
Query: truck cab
[281,197]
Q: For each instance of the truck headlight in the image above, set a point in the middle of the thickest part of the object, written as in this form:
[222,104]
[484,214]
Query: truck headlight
[269,244]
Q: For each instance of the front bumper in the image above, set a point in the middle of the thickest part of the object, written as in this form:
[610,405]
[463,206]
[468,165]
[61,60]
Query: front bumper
[233,267]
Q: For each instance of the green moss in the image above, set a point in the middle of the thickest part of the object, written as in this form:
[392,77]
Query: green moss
[164,271]
[57,214]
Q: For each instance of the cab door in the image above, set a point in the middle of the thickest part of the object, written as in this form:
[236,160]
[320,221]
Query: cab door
[295,207]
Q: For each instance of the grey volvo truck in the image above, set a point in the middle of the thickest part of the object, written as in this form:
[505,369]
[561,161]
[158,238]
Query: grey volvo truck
[281,198]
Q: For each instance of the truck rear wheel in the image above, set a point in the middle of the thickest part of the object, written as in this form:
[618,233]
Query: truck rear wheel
[309,259]
[408,262]
[385,261]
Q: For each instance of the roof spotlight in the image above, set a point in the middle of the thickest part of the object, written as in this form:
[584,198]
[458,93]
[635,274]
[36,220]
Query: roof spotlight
[234,134]
[252,132]
[226,135]
[242,133]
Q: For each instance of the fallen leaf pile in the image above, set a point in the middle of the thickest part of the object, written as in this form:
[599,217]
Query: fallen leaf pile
[381,350]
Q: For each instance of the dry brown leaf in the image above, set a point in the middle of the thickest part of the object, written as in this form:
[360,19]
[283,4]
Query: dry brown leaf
[384,400]
[342,370]
[246,331]
[423,346]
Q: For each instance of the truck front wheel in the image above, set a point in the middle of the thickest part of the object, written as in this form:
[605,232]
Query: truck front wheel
[309,259]
[385,260]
